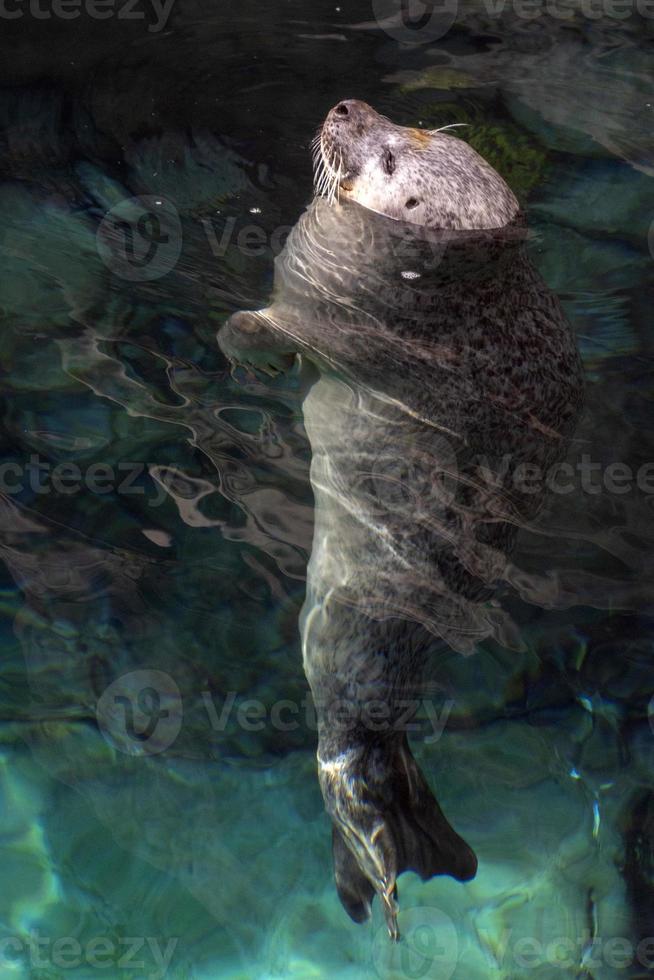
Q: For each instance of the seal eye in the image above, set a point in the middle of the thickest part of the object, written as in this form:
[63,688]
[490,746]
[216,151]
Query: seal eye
[413,202]
[389,162]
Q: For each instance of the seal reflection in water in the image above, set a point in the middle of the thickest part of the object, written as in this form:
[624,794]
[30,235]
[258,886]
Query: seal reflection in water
[442,366]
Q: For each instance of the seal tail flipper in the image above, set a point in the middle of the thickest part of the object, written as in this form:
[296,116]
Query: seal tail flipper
[354,890]
[386,821]
[424,840]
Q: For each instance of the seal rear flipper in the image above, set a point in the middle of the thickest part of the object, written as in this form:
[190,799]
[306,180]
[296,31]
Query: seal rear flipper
[386,821]
[424,840]
[354,890]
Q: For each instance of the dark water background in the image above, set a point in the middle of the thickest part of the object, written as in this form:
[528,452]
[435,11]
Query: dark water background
[172,551]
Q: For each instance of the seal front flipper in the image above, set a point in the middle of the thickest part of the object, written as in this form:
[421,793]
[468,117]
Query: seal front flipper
[249,339]
[386,821]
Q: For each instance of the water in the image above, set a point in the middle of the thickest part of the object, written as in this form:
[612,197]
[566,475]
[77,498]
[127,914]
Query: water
[161,811]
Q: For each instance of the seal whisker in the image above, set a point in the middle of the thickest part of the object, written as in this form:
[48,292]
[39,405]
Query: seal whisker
[337,181]
[333,186]
[321,176]
[324,181]
[341,172]
[328,183]
[443,128]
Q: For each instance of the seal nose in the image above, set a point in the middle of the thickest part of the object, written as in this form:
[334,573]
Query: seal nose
[350,110]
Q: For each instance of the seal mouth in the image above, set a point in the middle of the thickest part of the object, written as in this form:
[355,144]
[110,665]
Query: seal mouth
[330,173]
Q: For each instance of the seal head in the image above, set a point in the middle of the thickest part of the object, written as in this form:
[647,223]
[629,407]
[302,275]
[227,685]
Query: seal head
[425,177]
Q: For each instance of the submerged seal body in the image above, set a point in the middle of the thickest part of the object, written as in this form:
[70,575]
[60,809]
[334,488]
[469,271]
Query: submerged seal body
[444,365]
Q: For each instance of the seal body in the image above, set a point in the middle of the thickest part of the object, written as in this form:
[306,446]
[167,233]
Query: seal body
[443,366]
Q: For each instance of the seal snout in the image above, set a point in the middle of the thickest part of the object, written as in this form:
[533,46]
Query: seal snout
[344,138]
[349,119]
[351,111]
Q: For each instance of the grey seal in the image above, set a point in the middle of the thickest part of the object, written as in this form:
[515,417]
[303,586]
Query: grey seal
[440,366]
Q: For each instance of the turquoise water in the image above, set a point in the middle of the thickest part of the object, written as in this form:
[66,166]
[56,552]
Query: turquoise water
[156,511]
